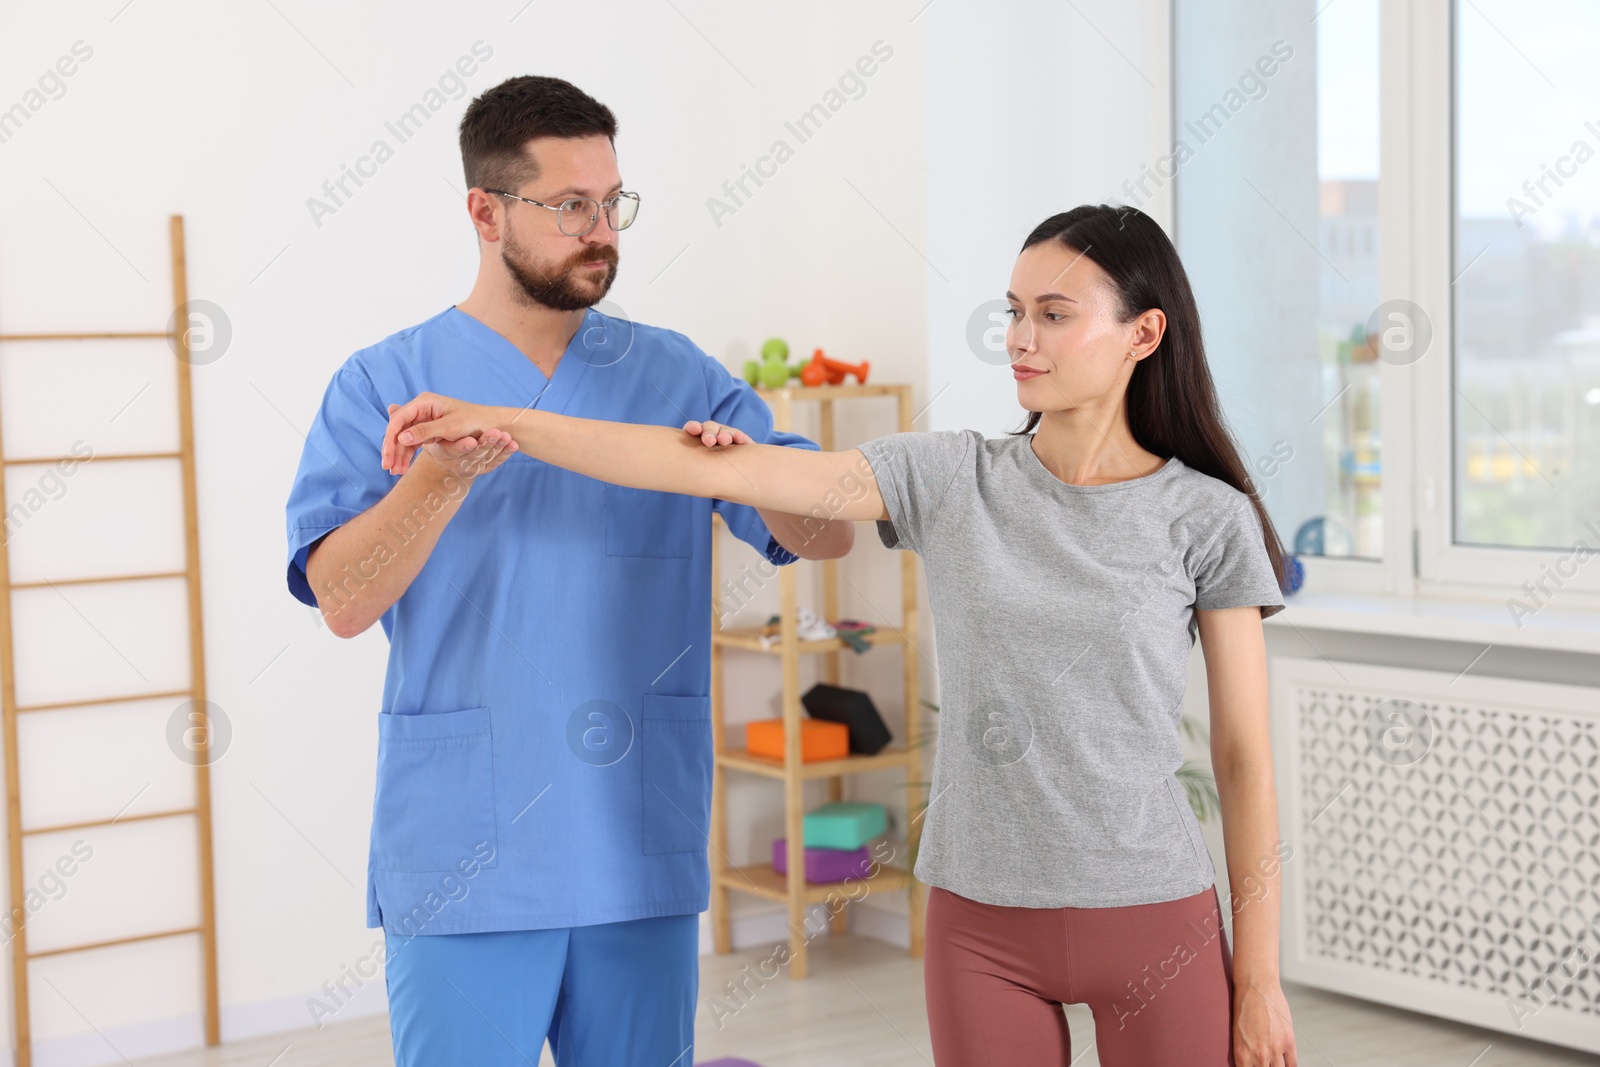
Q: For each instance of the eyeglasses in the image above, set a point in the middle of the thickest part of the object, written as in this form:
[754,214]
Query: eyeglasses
[578,216]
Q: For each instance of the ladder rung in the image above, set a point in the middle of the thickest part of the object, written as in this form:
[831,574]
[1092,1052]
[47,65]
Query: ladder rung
[96,459]
[105,700]
[117,821]
[107,578]
[115,941]
[117,336]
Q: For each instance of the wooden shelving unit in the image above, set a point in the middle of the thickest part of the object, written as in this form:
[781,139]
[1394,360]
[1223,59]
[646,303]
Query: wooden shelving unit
[761,879]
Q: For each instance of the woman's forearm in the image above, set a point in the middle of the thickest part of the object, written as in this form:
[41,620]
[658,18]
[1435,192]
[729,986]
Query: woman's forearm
[792,480]
[643,457]
[1250,839]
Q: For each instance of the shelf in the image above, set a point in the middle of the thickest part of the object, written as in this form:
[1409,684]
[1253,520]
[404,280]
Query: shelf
[749,639]
[762,881]
[904,756]
[829,392]
[740,759]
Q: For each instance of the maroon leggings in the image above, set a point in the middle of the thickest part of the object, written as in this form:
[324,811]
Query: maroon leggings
[1158,977]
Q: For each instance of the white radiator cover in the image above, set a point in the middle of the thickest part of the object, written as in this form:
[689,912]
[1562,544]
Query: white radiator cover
[1443,839]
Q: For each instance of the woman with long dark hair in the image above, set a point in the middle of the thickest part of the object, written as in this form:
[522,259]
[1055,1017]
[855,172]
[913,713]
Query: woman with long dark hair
[1071,566]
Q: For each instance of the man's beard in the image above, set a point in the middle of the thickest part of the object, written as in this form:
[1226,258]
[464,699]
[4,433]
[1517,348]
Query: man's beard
[560,288]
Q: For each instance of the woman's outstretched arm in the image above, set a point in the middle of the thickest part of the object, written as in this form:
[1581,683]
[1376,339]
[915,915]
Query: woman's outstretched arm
[828,485]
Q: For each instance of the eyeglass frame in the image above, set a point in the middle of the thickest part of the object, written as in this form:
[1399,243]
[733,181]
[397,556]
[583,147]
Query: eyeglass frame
[604,206]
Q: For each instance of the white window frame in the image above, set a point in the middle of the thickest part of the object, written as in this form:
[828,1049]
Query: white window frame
[1416,226]
[1419,72]
[1395,573]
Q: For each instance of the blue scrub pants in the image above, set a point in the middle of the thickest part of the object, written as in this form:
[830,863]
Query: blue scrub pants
[611,995]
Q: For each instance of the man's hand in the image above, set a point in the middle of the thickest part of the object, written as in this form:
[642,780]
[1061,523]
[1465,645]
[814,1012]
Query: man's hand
[429,418]
[712,434]
[433,495]
[466,457]
[803,535]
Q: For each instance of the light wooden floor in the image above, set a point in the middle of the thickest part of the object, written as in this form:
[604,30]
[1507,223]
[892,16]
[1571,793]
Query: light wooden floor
[863,1005]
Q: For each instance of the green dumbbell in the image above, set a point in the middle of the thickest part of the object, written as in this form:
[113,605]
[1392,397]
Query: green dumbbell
[773,370]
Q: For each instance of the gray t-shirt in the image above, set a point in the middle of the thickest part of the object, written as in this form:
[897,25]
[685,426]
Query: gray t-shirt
[1064,618]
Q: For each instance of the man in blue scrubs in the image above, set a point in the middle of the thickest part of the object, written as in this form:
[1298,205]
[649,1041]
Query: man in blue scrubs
[538,851]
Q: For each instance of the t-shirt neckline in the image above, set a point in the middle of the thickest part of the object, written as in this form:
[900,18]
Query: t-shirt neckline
[1040,473]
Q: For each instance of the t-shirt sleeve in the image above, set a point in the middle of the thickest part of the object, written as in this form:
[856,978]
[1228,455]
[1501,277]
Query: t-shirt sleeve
[1235,570]
[734,403]
[914,472]
[341,470]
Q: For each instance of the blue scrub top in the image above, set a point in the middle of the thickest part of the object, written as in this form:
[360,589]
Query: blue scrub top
[544,739]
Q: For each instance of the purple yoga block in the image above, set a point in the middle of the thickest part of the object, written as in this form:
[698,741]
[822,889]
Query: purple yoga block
[825,864]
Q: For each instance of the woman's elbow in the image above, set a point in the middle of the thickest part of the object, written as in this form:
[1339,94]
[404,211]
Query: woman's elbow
[841,539]
[832,540]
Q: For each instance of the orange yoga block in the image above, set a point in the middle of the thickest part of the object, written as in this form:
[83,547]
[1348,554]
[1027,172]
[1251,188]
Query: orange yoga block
[819,740]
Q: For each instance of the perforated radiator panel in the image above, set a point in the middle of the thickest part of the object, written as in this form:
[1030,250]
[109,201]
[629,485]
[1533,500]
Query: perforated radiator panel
[1446,843]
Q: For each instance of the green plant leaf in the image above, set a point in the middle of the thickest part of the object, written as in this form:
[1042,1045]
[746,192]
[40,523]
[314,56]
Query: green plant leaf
[1201,790]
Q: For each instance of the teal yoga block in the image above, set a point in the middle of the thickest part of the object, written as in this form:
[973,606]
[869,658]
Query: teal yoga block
[844,825]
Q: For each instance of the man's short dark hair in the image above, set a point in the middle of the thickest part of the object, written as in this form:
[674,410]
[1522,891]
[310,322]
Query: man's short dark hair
[499,124]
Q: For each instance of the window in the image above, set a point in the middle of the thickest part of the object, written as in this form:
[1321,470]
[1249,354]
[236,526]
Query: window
[1395,244]
[1526,374]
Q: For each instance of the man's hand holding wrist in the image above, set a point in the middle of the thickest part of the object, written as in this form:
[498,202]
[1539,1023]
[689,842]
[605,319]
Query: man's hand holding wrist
[461,439]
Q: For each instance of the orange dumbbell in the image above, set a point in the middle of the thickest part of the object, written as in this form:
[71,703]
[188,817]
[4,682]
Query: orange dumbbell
[813,373]
[822,370]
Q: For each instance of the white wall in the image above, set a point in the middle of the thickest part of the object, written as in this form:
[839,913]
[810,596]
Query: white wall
[1054,106]
[867,243]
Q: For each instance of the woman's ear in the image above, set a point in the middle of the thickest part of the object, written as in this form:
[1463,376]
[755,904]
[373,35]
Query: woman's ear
[1148,329]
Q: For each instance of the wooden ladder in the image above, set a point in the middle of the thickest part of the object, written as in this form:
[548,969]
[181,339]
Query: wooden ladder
[199,736]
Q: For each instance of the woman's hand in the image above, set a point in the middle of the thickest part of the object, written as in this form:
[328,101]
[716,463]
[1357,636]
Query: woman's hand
[469,457]
[1263,1035]
[428,418]
[712,434]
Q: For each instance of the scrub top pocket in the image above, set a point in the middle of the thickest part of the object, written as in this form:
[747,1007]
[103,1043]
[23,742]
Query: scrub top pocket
[644,522]
[676,735]
[435,796]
